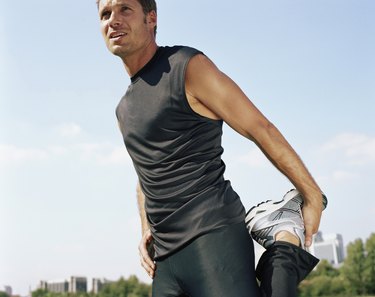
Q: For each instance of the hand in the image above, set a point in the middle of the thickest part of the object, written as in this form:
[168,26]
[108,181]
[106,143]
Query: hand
[311,213]
[146,251]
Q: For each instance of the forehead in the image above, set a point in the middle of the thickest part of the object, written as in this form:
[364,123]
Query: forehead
[112,3]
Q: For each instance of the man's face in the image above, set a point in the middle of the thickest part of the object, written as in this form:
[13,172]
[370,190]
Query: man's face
[125,27]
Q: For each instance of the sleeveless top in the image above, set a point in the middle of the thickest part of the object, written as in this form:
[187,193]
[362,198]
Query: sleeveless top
[176,154]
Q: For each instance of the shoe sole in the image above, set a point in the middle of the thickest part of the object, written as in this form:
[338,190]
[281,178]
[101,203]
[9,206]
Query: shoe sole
[267,208]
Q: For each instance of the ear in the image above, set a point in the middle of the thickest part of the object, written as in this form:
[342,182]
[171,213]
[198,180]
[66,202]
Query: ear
[152,18]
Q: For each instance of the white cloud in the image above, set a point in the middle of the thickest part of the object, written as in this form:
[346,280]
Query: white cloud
[69,130]
[14,154]
[345,157]
[104,153]
[337,177]
[254,158]
[358,149]
[344,176]
[118,155]
[90,150]
[57,150]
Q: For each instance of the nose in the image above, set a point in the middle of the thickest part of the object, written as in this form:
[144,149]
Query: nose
[114,20]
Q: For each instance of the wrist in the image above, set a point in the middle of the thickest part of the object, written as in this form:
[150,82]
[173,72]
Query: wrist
[145,230]
[316,199]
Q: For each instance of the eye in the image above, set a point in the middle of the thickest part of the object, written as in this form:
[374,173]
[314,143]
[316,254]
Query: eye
[106,14]
[125,8]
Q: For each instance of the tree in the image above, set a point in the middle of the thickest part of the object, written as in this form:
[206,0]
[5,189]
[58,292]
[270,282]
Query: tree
[39,293]
[325,280]
[3,294]
[131,287]
[324,268]
[355,277]
[370,264]
[354,268]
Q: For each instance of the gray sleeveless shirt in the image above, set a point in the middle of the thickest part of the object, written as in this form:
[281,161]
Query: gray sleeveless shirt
[176,154]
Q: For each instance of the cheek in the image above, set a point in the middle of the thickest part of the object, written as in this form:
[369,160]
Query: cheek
[104,31]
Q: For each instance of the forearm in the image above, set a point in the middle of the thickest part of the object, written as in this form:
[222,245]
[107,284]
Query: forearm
[286,160]
[141,208]
[146,249]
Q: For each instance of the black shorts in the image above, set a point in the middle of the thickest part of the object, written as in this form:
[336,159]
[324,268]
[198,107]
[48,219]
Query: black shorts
[220,263]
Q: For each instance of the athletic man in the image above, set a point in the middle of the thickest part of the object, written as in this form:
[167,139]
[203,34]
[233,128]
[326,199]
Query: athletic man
[171,119]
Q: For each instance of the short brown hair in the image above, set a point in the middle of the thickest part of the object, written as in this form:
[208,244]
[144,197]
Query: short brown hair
[147,6]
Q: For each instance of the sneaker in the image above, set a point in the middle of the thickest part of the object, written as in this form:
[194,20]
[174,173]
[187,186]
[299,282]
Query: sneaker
[268,218]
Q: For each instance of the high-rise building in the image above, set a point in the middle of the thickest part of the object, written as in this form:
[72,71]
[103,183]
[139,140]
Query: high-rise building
[98,283]
[56,286]
[329,247]
[76,284]
[6,289]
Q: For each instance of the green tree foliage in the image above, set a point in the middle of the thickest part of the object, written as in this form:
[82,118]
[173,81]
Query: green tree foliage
[3,294]
[326,269]
[325,280]
[126,288]
[354,267]
[324,286]
[370,264]
[356,277]
[39,293]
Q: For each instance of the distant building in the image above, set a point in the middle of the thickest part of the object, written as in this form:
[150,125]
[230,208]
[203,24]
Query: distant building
[7,289]
[98,283]
[74,285]
[42,285]
[78,284]
[56,286]
[329,247]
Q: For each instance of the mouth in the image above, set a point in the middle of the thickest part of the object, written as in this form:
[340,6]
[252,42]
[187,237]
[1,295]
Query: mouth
[115,35]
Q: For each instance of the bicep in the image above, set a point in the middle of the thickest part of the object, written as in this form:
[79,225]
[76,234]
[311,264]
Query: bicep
[222,96]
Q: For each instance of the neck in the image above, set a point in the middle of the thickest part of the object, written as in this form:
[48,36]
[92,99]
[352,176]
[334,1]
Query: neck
[135,62]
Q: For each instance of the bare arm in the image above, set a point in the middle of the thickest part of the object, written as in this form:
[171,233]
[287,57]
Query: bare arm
[146,245]
[141,208]
[211,89]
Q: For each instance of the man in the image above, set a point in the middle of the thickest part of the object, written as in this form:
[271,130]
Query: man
[171,120]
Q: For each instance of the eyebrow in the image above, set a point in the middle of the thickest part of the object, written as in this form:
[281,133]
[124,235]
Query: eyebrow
[101,9]
[116,5]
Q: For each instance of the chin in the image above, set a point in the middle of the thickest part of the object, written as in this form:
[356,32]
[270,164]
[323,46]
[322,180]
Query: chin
[118,51]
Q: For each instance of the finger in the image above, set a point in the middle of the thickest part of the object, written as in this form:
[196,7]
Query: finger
[145,255]
[150,271]
[147,263]
[308,236]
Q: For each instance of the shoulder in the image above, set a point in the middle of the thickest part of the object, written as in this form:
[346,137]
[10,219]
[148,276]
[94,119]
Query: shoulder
[189,50]
[180,51]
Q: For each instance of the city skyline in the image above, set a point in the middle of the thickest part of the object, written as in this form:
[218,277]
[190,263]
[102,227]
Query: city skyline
[67,185]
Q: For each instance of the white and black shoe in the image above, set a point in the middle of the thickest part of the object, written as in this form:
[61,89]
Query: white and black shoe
[268,218]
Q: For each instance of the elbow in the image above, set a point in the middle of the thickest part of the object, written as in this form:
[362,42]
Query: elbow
[264,132]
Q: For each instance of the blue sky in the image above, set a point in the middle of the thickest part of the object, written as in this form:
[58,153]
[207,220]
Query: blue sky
[67,186]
